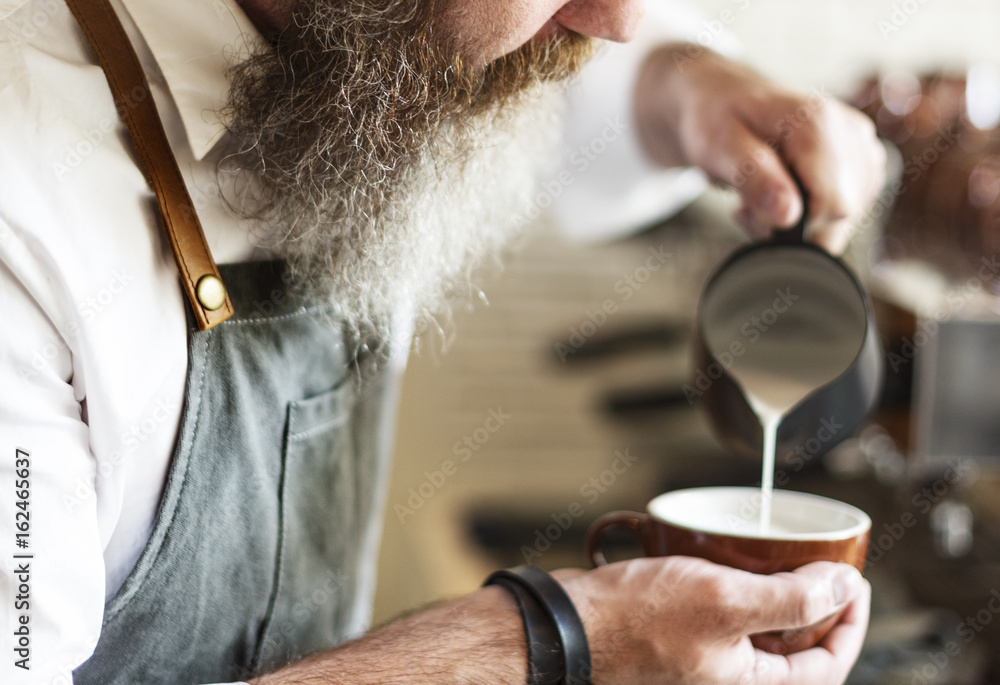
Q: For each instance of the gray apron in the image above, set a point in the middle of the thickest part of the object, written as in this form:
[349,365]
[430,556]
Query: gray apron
[264,544]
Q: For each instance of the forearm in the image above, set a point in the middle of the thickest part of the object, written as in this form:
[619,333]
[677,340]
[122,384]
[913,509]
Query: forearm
[476,639]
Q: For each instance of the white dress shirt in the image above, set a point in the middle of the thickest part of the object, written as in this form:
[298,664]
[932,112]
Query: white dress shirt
[93,343]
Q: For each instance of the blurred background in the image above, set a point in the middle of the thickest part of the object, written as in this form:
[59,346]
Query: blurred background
[556,396]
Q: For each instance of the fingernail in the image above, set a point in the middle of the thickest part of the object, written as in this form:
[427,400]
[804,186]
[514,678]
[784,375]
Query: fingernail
[774,205]
[770,201]
[842,583]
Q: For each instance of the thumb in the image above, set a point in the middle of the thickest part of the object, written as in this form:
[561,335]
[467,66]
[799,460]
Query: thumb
[801,598]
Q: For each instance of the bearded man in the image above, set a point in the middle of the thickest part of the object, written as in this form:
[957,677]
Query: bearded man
[195,505]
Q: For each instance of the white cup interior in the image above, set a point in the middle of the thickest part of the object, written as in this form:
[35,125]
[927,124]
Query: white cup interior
[736,512]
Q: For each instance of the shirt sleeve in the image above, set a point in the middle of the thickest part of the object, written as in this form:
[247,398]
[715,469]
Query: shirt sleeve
[52,584]
[607,186]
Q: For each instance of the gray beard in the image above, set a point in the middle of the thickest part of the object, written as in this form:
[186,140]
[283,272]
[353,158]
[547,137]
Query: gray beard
[383,167]
[466,197]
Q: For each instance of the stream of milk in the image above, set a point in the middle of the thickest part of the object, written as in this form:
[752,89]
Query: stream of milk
[771,395]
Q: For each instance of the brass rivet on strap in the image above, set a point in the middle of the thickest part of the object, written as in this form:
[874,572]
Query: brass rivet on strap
[211,292]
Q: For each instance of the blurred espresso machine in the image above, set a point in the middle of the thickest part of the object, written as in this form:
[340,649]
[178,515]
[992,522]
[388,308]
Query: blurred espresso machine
[933,268]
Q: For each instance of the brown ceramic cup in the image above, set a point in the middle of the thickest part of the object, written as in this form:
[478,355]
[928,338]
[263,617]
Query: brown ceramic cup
[722,525]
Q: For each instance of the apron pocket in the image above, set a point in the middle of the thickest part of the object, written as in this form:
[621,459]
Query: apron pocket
[319,531]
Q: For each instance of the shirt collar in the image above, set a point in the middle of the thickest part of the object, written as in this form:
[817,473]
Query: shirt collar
[194,43]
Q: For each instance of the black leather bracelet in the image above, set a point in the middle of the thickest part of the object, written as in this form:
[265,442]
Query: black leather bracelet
[555,601]
[545,655]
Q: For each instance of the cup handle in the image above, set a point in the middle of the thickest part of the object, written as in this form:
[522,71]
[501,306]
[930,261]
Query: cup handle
[632,520]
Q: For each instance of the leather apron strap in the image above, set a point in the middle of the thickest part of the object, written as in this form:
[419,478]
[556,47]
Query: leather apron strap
[133,98]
